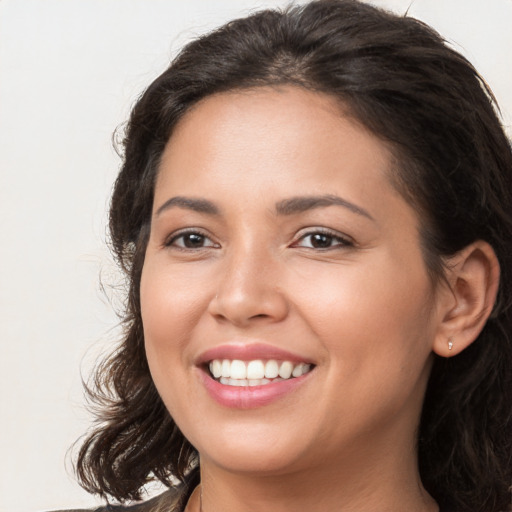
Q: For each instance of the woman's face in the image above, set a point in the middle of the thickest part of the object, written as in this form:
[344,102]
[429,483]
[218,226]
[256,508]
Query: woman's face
[278,240]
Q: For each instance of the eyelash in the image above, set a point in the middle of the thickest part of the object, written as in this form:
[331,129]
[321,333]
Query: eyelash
[171,242]
[340,240]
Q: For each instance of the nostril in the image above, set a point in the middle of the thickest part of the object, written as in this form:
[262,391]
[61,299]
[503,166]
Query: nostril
[240,302]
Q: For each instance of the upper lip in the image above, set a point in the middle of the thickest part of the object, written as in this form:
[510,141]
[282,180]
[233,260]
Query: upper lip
[249,352]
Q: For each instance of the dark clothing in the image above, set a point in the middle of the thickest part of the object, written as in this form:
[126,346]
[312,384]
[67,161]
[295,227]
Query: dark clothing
[173,500]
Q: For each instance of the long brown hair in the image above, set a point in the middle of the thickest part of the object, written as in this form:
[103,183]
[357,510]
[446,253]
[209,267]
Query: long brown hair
[454,163]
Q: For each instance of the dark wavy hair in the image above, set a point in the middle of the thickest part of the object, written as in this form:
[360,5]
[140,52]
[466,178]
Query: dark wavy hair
[399,79]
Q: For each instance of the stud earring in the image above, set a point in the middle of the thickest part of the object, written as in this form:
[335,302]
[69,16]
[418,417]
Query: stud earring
[450,344]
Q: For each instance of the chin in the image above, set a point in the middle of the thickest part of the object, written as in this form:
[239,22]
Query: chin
[249,449]
[253,462]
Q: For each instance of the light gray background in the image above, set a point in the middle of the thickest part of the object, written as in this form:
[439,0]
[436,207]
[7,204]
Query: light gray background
[69,72]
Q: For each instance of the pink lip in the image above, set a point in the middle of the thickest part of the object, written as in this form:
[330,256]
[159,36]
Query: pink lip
[249,397]
[249,352]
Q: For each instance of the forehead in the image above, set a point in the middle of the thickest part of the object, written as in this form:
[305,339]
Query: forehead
[264,131]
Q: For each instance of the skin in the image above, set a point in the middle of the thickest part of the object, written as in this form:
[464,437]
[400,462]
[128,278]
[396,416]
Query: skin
[362,308]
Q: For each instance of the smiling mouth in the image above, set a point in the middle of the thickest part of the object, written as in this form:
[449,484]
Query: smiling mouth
[234,372]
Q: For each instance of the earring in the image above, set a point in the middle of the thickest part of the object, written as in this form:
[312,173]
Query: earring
[450,344]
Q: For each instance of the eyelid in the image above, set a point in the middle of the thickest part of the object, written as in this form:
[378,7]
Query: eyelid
[175,235]
[345,240]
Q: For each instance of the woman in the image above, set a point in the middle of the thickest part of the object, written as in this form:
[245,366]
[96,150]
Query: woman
[315,218]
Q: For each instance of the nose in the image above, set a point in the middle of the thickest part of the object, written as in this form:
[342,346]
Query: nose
[249,290]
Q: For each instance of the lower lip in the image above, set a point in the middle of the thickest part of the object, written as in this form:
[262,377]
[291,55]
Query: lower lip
[250,397]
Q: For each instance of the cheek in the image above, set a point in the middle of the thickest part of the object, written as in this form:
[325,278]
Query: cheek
[378,338]
[374,315]
[169,311]
[170,302]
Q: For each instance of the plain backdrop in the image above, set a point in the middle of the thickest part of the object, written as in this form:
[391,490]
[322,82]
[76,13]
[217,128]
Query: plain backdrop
[69,72]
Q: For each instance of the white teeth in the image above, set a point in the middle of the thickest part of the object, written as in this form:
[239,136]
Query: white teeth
[226,368]
[285,370]
[255,370]
[300,369]
[297,370]
[238,382]
[255,373]
[238,370]
[216,368]
[246,382]
[271,369]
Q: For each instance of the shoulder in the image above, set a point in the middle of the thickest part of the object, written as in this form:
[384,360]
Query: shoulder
[170,501]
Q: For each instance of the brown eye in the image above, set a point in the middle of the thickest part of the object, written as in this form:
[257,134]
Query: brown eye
[190,240]
[193,240]
[323,240]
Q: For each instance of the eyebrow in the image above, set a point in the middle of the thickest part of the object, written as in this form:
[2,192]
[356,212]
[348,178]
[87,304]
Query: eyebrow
[289,206]
[303,203]
[189,203]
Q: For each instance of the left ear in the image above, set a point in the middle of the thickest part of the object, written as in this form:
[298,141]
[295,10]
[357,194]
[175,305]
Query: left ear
[472,276]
